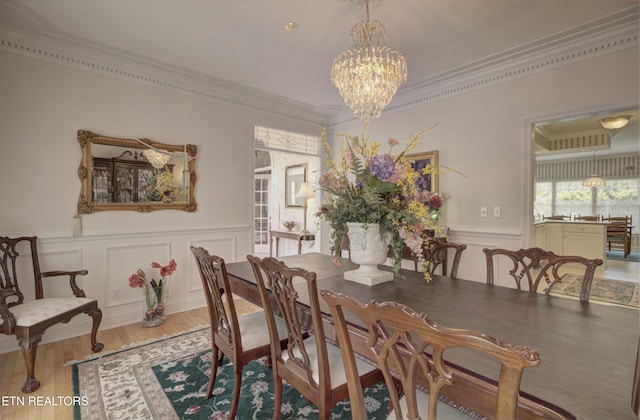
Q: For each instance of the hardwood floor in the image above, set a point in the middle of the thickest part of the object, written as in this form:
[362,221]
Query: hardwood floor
[53,367]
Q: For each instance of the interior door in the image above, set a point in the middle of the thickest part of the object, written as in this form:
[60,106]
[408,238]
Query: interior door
[261,213]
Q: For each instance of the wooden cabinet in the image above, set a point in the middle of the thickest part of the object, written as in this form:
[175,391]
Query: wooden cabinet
[121,180]
[585,239]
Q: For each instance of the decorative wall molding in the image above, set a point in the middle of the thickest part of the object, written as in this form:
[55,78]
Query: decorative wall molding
[609,34]
[155,74]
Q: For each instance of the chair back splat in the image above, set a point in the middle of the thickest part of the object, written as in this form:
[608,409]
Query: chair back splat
[29,319]
[242,339]
[308,364]
[435,252]
[536,264]
[411,347]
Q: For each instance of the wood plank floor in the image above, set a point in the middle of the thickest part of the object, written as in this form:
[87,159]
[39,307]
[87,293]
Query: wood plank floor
[53,367]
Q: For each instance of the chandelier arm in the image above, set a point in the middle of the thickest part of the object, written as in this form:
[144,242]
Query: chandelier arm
[183,155]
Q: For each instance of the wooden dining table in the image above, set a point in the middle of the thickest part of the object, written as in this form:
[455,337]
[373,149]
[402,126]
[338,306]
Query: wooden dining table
[588,350]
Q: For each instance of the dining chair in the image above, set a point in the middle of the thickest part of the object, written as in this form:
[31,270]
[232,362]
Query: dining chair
[309,365]
[241,338]
[619,233]
[595,218]
[410,346]
[556,217]
[536,264]
[28,318]
[436,252]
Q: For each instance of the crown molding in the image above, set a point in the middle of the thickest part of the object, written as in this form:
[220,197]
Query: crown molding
[607,35]
[114,63]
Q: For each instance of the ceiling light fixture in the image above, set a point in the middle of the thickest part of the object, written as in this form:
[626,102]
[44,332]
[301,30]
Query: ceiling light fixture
[290,26]
[615,122]
[369,74]
[156,159]
[594,181]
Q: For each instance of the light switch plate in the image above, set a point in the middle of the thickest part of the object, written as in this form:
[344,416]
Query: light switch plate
[497,212]
[483,212]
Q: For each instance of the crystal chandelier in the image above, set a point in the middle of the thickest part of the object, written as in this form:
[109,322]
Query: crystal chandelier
[369,74]
[156,159]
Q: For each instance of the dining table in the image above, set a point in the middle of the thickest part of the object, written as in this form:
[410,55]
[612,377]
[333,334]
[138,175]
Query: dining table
[588,350]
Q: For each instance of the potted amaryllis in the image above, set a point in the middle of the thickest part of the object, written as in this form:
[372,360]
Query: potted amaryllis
[153,291]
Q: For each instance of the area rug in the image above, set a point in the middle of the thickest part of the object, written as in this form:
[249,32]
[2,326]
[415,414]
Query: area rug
[167,379]
[604,290]
[619,255]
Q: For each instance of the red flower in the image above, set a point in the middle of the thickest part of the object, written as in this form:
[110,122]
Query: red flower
[135,281]
[166,270]
[435,201]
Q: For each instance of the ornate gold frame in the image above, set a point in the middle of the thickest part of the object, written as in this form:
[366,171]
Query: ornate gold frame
[85,172]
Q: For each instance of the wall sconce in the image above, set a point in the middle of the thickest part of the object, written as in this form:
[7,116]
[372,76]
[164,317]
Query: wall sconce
[305,192]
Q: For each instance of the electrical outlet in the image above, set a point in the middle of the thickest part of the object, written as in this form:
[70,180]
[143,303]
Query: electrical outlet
[483,212]
[497,212]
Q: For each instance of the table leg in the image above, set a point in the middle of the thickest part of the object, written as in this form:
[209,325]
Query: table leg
[277,246]
[299,246]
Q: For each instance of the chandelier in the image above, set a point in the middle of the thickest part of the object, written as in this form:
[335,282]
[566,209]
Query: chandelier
[156,159]
[594,181]
[369,74]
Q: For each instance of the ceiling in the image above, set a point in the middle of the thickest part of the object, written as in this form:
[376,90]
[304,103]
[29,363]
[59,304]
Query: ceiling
[244,41]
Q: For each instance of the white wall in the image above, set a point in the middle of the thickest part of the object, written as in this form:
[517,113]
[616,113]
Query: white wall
[45,103]
[484,133]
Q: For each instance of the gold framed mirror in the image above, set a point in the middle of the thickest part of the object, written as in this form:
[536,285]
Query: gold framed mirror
[122,174]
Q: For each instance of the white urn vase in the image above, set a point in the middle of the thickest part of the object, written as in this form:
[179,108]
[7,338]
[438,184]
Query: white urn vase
[368,249]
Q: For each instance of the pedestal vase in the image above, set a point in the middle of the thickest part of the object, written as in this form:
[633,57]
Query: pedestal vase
[368,249]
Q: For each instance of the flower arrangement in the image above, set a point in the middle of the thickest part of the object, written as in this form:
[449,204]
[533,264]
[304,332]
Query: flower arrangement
[159,187]
[139,279]
[373,187]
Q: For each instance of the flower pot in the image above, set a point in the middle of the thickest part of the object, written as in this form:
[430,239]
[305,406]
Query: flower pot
[368,249]
[153,311]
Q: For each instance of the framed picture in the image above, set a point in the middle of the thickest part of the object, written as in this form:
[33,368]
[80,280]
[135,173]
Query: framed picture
[294,177]
[426,182]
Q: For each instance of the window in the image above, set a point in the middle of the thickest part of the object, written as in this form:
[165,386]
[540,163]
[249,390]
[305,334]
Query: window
[618,198]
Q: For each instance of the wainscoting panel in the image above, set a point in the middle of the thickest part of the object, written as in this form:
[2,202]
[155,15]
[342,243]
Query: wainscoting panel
[110,259]
[224,247]
[123,261]
[473,265]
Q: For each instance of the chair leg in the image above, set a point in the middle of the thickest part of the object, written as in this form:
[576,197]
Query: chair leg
[277,398]
[29,346]
[215,362]
[96,315]
[235,397]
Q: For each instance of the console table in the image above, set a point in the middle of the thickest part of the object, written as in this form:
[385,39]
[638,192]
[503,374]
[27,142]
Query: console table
[284,234]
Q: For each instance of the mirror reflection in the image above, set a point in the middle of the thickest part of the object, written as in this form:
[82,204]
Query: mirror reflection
[135,174]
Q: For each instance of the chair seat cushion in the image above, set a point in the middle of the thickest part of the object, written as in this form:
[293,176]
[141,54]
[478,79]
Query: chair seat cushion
[336,365]
[30,313]
[254,331]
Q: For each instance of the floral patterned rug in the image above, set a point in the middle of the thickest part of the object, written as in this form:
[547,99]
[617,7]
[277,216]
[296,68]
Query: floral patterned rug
[604,290]
[167,379]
